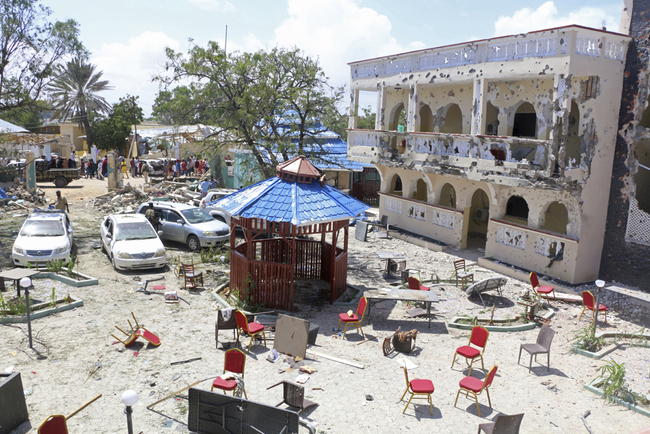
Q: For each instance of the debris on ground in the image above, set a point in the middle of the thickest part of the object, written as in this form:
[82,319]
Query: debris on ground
[128,199]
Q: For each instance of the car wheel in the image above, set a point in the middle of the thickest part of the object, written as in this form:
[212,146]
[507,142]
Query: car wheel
[113,262]
[101,244]
[221,219]
[193,243]
[60,182]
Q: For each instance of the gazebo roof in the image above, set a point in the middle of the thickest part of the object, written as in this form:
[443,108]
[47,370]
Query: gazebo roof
[299,203]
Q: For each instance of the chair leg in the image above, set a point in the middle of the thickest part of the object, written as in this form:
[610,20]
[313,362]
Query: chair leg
[531,362]
[519,358]
[583,311]
[454,361]
[457,395]
[345,328]
[404,394]
[548,361]
[264,336]
[250,343]
[361,329]
[407,404]
[430,403]
[339,327]
[488,395]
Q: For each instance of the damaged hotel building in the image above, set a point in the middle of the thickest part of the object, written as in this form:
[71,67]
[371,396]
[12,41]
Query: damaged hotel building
[508,144]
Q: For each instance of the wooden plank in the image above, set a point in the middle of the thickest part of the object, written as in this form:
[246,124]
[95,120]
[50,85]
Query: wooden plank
[334,359]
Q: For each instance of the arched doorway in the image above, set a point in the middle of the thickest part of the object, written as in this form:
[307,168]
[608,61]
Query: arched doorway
[420,192]
[479,214]
[447,196]
[453,120]
[491,120]
[398,117]
[556,217]
[426,119]
[395,185]
[525,122]
[572,143]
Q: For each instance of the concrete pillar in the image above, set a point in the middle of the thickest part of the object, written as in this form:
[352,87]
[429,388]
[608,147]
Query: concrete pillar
[412,108]
[113,172]
[479,107]
[381,105]
[354,109]
[561,109]
[29,180]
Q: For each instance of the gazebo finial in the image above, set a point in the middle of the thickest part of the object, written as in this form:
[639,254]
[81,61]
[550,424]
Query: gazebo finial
[298,169]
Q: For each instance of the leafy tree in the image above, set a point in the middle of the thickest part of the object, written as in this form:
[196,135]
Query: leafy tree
[112,131]
[367,120]
[74,93]
[27,116]
[30,48]
[267,101]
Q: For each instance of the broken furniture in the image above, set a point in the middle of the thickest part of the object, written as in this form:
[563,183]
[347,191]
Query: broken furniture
[354,318]
[394,261]
[293,395]
[499,156]
[503,424]
[424,388]
[542,346]
[250,328]
[137,332]
[545,290]
[489,284]
[214,413]
[475,386]
[191,276]
[588,302]
[475,348]
[462,275]
[12,402]
[234,362]
[383,229]
[16,274]
[414,283]
[226,321]
[291,336]
[56,424]
[374,296]
[404,342]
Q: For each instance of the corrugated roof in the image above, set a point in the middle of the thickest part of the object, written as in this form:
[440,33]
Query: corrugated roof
[277,200]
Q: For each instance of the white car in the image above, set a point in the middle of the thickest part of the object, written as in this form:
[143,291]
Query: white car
[45,236]
[131,242]
[215,212]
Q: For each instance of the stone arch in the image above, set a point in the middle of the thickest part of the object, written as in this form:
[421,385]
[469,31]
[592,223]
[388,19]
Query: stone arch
[573,138]
[447,196]
[395,187]
[517,209]
[426,119]
[555,218]
[525,121]
[421,190]
[453,120]
[479,216]
[395,115]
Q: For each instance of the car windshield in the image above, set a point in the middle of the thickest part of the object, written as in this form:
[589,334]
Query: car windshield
[43,228]
[134,231]
[196,215]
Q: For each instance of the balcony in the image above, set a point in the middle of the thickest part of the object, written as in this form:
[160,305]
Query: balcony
[507,156]
[558,42]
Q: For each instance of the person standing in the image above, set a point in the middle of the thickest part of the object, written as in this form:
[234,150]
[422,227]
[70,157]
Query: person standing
[125,173]
[150,214]
[145,172]
[205,186]
[61,202]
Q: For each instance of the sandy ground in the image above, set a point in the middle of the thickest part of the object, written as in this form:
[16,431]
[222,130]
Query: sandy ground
[63,372]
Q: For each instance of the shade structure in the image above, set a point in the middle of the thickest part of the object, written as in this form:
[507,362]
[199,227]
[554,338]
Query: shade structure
[279,217]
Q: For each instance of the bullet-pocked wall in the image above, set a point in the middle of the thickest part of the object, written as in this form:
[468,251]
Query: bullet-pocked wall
[626,253]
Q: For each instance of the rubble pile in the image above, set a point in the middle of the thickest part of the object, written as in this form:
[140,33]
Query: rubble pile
[128,199]
[19,199]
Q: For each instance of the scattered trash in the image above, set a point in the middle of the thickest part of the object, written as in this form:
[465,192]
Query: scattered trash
[307,369]
[9,370]
[176,377]
[136,354]
[302,379]
[28,392]
[273,356]
[369,398]
[185,361]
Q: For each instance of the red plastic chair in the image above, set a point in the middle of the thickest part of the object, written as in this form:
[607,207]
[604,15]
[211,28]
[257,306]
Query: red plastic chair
[418,387]
[414,283]
[55,424]
[475,348]
[476,387]
[545,290]
[589,303]
[251,328]
[235,362]
[355,318]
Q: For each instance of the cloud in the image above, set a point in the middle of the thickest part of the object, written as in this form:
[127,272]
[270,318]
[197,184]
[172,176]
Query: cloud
[337,32]
[213,5]
[546,16]
[129,68]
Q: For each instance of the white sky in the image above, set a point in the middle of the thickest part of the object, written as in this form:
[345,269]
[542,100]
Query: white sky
[127,38]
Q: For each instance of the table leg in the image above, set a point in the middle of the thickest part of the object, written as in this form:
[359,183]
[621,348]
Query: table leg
[429,313]
[369,309]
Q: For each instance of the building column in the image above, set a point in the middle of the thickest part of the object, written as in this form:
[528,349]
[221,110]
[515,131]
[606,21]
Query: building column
[412,109]
[561,109]
[381,101]
[354,109]
[30,173]
[479,107]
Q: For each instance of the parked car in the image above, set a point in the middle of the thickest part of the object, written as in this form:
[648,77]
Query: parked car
[189,225]
[45,236]
[215,212]
[131,242]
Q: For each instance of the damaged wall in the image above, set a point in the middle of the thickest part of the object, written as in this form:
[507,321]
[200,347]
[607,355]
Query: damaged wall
[627,261]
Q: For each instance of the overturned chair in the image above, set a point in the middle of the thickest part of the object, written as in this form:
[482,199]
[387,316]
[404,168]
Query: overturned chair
[293,395]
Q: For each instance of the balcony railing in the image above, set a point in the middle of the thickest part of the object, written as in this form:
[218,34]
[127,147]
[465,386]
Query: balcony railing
[505,153]
[554,42]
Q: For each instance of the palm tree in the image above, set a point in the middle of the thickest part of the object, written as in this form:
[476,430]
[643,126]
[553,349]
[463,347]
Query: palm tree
[74,94]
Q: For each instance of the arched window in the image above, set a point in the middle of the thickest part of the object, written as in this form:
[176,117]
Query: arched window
[398,117]
[556,218]
[420,192]
[517,207]
[447,196]
[426,119]
[396,186]
[525,123]
[453,120]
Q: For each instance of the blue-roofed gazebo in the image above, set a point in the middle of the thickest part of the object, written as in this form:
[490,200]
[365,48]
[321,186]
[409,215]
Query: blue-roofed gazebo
[277,217]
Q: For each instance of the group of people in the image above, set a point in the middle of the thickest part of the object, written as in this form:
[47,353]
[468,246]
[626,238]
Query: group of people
[187,167]
[94,170]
